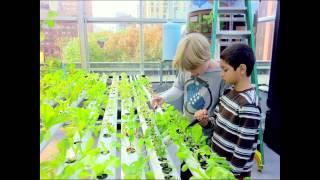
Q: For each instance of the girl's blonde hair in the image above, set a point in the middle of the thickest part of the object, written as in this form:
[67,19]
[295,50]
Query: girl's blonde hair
[193,50]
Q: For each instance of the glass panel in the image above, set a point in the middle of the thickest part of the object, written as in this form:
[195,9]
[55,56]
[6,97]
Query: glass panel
[120,9]
[161,9]
[152,50]
[61,41]
[113,42]
[264,40]
[180,9]
[154,66]
[152,42]
[156,9]
[267,8]
[63,8]
[231,3]
[264,43]
[264,32]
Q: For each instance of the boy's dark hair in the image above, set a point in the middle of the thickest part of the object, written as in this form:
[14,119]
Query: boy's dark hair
[237,54]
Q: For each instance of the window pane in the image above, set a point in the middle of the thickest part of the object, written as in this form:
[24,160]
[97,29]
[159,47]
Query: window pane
[162,9]
[152,50]
[113,42]
[267,8]
[264,40]
[231,3]
[61,41]
[264,32]
[121,9]
[264,43]
[180,9]
[152,42]
[63,8]
[200,21]
[156,9]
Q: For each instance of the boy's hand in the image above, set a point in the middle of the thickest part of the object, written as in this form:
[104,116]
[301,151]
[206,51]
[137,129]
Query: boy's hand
[156,101]
[202,117]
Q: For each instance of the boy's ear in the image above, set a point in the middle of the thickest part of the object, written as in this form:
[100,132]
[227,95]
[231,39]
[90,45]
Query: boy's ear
[243,69]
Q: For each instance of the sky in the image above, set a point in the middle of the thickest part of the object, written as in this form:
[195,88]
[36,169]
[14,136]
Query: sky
[110,8]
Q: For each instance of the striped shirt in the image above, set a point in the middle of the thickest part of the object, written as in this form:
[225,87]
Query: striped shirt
[235,126]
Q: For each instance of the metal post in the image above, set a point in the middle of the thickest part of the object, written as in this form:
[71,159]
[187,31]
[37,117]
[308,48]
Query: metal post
[141,38]
[171,10]
[161,71]
[230,28]
[214,28]
[249,18]
[83,36]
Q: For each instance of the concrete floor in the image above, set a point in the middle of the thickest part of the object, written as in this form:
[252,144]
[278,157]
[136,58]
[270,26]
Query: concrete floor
[271,168]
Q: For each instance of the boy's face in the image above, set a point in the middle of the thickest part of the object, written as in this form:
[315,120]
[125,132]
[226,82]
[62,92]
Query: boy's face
[201,69]
[228,74]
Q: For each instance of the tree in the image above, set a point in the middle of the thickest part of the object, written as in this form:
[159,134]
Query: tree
[152,42]
[120,46]
[123,45]
[71,50]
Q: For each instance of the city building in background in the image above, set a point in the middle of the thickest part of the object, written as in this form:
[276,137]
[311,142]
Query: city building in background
[63,30]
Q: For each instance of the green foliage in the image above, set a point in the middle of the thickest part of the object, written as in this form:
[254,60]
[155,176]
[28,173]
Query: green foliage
[42,36]
[84,174]
[111,129]
[140,143]
[50,116]
[148,144]
[71,51]
[183,153]
[49,21]
[217,172]
[65,89]
[120,135]
[114,161]
[201,175]
[104,147]
[184,168]
[135,169]
[88,145]
[204,24]
[70,170]
[111,46]
[50,18]
[196,132]
[150,175]
[116,144]
[101,168]
[95,130]
[80,118]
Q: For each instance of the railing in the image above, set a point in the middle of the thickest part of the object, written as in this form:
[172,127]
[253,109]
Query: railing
[148,66]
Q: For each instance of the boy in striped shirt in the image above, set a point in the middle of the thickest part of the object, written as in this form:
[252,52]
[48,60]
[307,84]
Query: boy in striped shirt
[235,122]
